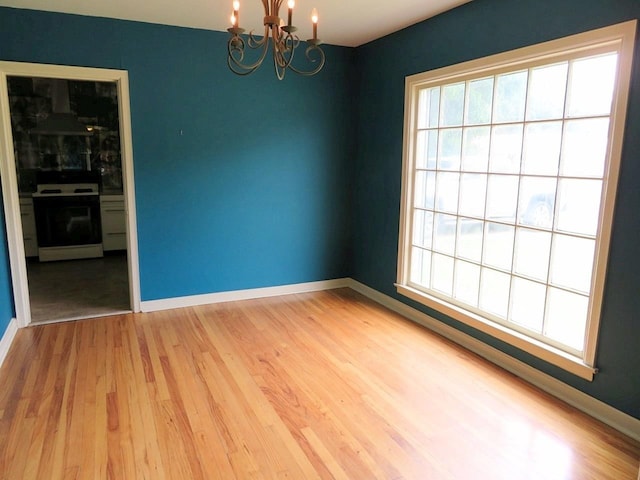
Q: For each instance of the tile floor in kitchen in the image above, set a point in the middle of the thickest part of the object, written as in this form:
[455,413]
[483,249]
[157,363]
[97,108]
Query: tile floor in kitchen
[74,289]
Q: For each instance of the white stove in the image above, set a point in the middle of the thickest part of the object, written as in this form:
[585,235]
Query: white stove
[68,219]
[66,189]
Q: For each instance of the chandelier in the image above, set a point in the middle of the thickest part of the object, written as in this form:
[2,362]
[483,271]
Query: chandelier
[280,37]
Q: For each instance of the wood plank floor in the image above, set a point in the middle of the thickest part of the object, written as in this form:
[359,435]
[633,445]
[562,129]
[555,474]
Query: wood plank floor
[321,385]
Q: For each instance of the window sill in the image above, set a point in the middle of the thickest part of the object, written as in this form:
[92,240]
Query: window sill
[531,346]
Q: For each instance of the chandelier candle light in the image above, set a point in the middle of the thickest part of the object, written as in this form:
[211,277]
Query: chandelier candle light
[284,42]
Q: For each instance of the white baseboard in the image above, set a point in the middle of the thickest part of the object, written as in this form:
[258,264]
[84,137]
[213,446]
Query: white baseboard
[232,296]
[7,339]
[601,411]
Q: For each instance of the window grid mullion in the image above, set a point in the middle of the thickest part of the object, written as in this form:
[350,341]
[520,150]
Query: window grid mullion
[485,225]
[520,175]
[557,195]
[435,188]
[414,173]
[562,118]
[458,222]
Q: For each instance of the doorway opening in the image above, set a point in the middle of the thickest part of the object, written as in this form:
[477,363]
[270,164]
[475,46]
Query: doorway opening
[68,192]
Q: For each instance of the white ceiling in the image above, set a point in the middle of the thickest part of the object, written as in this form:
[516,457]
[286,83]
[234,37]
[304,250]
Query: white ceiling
[341,22]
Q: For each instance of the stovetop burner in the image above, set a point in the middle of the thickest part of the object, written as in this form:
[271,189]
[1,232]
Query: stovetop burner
[57,189]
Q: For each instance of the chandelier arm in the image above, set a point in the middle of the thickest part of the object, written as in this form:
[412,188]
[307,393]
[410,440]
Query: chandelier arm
[236,45]
[276,35]
[276,53]
[280,71]
[281,63]
[290,43]
[234,68]
[235,49]
[253,43]
[275,7]
[237,62]
[307,53]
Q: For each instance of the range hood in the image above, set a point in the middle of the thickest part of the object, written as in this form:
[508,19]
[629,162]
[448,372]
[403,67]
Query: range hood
[61,121]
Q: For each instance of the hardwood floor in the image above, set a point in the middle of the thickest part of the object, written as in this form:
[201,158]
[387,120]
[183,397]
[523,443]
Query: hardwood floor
[322,385]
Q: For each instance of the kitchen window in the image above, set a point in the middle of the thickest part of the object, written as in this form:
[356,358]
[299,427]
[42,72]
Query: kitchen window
[509,177]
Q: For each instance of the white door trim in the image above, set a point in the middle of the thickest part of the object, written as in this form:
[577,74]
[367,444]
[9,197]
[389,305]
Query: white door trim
[8,175]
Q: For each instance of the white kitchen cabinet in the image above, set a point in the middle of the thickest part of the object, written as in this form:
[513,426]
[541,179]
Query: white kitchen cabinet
[28,219]
[114,223]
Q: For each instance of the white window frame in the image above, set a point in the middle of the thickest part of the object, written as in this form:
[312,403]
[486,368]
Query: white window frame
[620,37]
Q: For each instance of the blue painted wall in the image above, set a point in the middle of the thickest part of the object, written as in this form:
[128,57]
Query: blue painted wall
[474,30]
[6,293]
[240,182]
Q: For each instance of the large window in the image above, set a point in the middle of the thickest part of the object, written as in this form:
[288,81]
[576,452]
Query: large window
[510,172]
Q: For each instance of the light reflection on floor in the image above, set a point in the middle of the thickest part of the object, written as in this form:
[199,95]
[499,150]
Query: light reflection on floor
[533,446]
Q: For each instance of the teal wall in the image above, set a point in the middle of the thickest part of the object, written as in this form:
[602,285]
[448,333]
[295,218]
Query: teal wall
[6,292]
[474,30]
[240,182]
